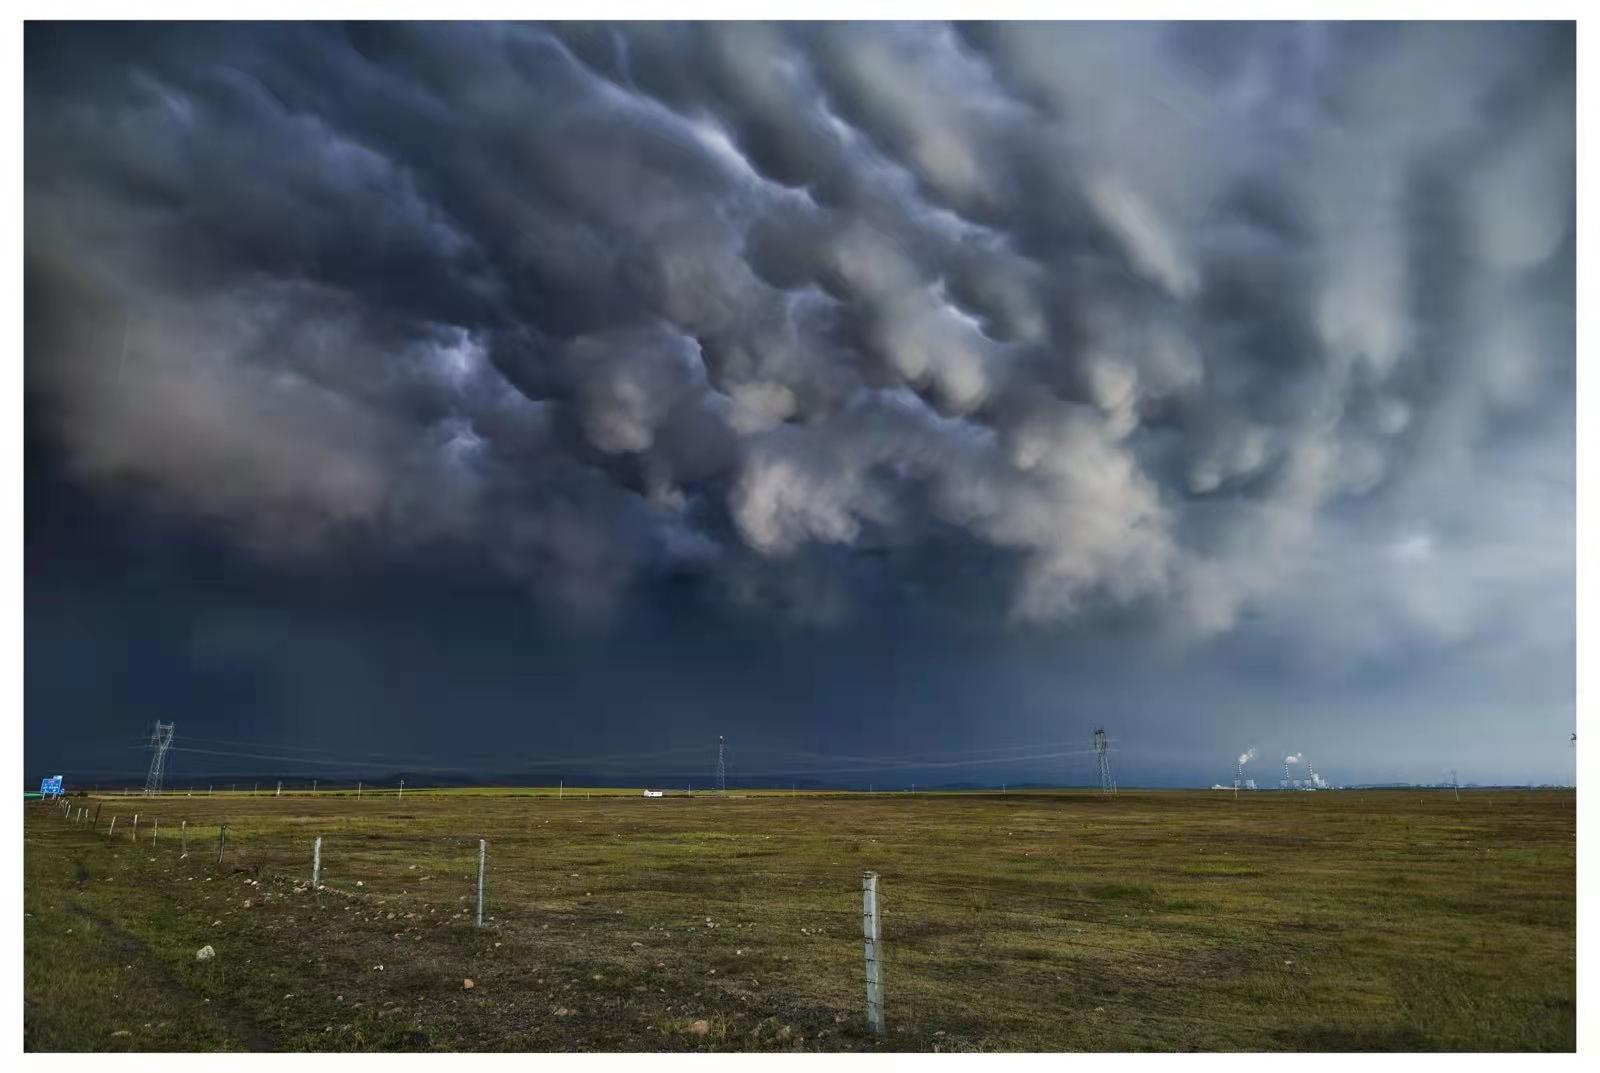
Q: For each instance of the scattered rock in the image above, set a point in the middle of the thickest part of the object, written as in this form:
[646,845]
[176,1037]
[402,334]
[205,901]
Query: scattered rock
[700,1028]
[467,984]
[121,1032]
[205,953]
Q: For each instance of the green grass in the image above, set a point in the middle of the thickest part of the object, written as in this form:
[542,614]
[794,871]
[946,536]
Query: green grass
[1382,920]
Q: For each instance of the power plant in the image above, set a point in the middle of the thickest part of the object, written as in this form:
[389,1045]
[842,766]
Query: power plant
[1239,781]
[1310,781]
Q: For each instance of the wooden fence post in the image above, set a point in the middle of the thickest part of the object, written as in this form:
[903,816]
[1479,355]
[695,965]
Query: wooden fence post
[222,842]
[316,861]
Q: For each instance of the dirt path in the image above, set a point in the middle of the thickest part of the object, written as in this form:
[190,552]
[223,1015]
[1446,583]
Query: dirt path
[251,1034]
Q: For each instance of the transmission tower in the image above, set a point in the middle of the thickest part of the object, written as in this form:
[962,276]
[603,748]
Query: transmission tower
[160,742]
[1102,759]
[722,770]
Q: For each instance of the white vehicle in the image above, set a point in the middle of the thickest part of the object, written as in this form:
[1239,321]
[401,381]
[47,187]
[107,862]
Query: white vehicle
[652,793]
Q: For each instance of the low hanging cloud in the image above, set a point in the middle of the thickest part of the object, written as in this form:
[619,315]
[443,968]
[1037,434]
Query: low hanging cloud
[1206,323]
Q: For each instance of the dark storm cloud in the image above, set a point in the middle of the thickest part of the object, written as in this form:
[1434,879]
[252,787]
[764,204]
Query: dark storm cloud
[1196,323]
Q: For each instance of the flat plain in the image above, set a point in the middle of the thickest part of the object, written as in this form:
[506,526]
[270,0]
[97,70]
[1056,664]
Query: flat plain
[1149,920]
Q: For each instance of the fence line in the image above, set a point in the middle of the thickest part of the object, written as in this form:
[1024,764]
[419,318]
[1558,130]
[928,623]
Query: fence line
[270,852]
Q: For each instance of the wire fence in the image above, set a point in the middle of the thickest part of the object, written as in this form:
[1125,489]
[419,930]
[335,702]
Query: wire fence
[998,945]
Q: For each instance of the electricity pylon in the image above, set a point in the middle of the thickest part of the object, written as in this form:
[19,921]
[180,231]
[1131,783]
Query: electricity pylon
[160,742]
[1102,759]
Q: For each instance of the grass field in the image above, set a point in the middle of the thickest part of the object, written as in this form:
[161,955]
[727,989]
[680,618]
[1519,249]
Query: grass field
[1388,920]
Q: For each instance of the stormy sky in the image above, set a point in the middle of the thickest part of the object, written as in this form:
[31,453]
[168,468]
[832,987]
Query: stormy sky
[900,401]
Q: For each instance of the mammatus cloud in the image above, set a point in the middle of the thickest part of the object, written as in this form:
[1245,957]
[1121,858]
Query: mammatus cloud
[1200,323]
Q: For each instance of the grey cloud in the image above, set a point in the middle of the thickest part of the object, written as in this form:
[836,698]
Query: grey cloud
[1202,323]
